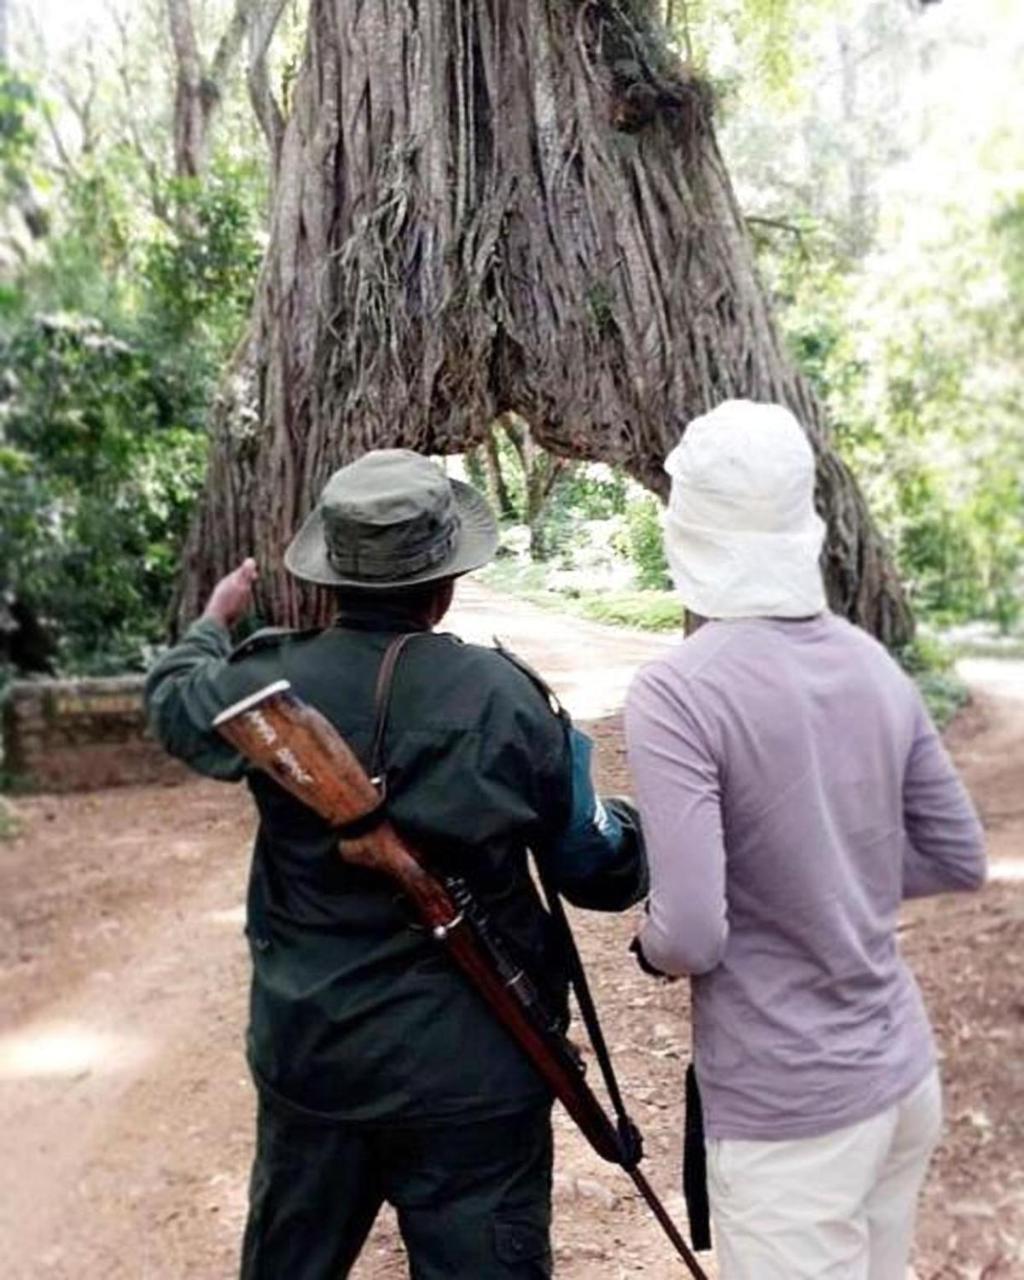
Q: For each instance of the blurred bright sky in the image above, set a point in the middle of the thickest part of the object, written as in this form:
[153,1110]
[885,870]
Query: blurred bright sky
[63,23]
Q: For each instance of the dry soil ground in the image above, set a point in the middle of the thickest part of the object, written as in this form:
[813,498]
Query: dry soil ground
[124,1103]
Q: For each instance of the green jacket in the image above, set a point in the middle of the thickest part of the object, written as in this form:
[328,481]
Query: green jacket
[356,1013]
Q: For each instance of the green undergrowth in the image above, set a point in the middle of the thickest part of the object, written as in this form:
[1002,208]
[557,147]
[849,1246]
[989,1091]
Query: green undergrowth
[930,662]
[641,610]
[8,821]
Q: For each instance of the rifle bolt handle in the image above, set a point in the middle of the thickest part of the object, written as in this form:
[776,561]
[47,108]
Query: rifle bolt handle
[441,931]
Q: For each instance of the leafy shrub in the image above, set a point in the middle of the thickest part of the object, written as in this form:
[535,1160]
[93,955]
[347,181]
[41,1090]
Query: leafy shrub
[201,273]
[9,825]
[643,544]
[593,491]
[923,390]
[930,663]
[18,105]
[97,480]
[111,346]
[642,610]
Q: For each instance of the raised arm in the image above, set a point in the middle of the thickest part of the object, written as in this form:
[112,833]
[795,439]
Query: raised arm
[185,689]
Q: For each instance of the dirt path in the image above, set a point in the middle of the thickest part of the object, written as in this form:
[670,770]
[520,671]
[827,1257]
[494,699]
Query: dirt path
[124,1102]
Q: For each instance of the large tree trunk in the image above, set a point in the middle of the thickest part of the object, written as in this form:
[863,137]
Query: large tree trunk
[486,207]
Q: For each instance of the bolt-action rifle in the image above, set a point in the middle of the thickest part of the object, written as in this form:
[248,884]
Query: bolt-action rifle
[307,756]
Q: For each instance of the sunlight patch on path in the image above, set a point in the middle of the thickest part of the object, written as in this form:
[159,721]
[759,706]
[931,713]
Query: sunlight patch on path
[1007,870]
[49,1050]
[590,665]
[1000,677]
[233,917]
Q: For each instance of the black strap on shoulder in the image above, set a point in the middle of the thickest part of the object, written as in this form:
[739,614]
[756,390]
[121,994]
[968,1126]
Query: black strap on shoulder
[382,702]
[370,821]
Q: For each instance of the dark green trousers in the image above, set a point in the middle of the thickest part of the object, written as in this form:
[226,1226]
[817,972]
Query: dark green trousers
[473,1200]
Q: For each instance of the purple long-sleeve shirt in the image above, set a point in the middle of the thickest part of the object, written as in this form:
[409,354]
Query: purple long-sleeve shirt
[793,791]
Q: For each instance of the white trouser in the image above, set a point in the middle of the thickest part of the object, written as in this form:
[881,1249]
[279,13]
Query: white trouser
[836,1207]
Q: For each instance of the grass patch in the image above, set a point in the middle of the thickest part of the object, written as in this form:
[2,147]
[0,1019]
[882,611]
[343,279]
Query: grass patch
[517,577]
[641,610]
[9,825]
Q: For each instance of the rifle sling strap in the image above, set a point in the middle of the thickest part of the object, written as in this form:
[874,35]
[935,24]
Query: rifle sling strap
[382,704]
[377,816]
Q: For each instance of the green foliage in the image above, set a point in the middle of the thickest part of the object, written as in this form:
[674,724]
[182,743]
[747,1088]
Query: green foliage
[116,321]
[201,273]
[9,824]
[930,663]
[642,542]
[923,386]
[18,130]
[97,479]
[111,345]
[592,491]
[761,35]
[640,610]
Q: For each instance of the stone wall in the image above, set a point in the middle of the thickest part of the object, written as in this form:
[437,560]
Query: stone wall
[77,735]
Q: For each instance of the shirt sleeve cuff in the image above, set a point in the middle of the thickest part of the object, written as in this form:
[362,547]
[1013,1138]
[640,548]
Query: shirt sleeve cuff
[213,636]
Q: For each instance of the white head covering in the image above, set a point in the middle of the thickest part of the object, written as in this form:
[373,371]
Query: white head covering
[742,536]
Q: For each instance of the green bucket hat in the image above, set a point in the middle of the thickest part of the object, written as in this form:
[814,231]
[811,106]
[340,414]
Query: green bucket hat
[392,519]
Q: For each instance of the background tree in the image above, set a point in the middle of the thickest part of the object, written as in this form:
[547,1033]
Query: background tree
[484,208]
[113,332]
[201,84]
[520,477]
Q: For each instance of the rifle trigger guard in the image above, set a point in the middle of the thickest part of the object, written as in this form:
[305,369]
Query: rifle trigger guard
[441,931]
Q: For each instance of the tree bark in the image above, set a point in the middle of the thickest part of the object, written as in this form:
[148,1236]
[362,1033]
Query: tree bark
[542,472]
[486,207]
[499,493]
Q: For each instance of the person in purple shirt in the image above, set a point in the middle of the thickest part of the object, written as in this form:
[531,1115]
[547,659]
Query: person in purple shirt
[793,792]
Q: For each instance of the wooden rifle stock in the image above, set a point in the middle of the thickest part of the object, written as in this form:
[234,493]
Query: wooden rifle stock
[307,756]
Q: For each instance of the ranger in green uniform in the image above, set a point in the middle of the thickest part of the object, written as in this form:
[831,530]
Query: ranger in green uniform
[381,1074]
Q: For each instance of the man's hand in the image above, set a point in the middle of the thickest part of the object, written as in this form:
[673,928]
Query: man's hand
[232,596]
